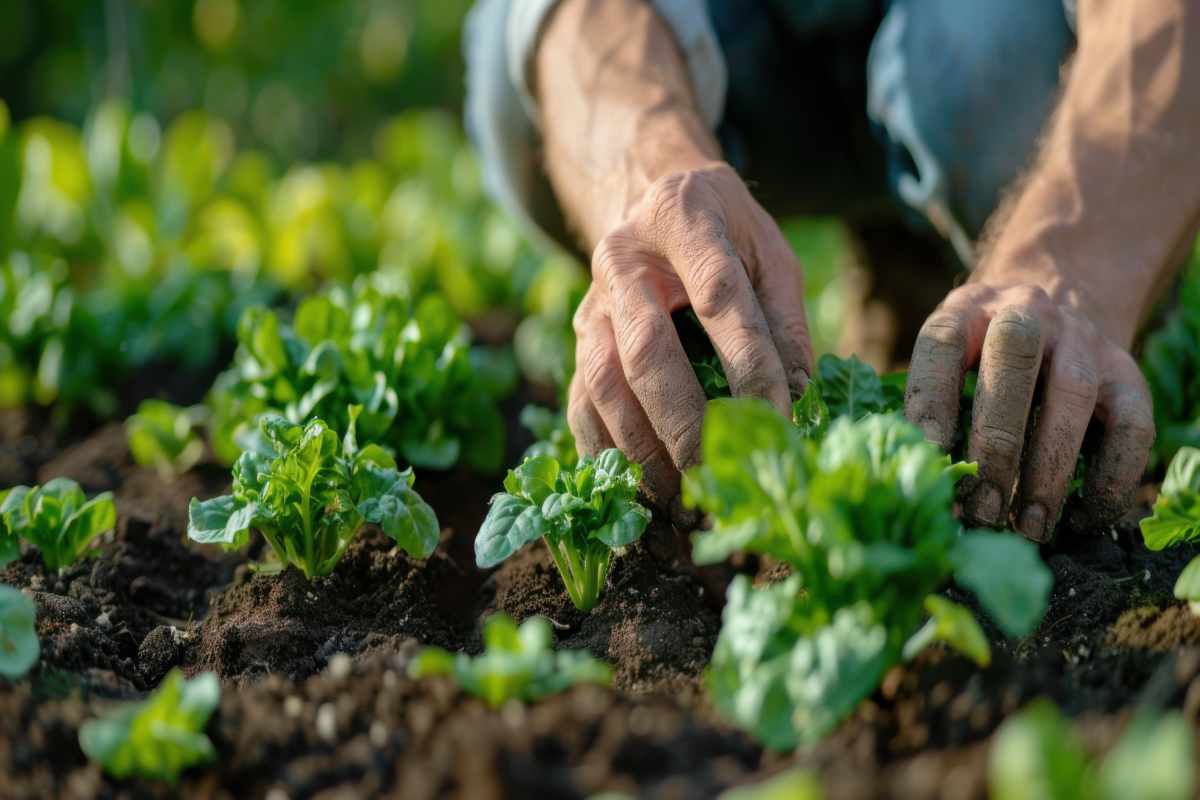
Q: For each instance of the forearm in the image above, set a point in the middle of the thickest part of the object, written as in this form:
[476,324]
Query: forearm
[616,109]
[1114,198]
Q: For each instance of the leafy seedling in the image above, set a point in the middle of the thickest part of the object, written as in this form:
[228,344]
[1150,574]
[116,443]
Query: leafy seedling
[157,738]
[585,514]
[19,648]
[1176,519]
[517,663]
[1037,756]
[864,519]
[57,518]
[165,436]
[309,495]
[407,363]
[795,784]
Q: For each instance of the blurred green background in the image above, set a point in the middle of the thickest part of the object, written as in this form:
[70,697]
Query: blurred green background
[302,79]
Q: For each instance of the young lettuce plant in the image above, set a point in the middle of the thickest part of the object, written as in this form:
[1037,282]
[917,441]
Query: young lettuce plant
[19,647]
[517,663]
[158,738]
[309,494]
[1176,519]
[407,363]
[165,436]
[57,518]
[864,521]
[584,514]
[1037,754]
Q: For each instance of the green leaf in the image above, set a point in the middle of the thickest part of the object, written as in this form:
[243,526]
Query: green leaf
[834,669]
[1036,756]
[400,512]
[518,663]
[849,387]
[1153,760]
[1005,572]
[309,494]
[1187,585]
[810,414]
[1176,513]
[160,737]
[220,520]
[629,521]
[163,436]
[535,479]
[953,624]
[58,519]
[19,647]
[511,523]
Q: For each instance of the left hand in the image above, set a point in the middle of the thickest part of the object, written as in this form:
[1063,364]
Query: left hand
[1017,334]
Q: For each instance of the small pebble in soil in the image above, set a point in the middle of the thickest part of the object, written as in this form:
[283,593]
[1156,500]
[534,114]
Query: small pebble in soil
[340,666]
[378,734]
[327,722]
[293,706]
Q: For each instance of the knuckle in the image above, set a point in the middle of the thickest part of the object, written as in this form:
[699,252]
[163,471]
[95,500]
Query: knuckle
[611,254]
[713,285]
[997,445]
[1031,297]
[1077,383]
[683,440]
[1016,334]
[1134,422]
[643,338]
[943,332]
[752,369]
[601,369]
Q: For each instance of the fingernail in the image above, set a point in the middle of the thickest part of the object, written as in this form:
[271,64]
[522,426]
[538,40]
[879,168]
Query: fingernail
[986,504]
[1033,522]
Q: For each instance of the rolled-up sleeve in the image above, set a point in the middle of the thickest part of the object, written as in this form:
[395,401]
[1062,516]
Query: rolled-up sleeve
[500,39]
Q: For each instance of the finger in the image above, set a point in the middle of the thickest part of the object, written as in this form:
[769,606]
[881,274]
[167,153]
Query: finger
[655,366]
[935,375]
[620,412]
[720,292]
[779,284]
[591,437]
[1069,398]
[1113,475]
[1008,372]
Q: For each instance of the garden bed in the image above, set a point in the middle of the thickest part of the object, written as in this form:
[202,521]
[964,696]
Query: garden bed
[317,698]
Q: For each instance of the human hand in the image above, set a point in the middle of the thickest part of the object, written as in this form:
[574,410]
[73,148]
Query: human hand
[1018,334]
[695,238]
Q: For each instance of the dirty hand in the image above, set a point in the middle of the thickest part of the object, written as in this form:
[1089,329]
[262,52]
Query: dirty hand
[695,238]
[1018,335]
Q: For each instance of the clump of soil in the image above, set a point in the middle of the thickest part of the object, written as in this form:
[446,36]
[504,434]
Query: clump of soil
[652,622]
[286,624]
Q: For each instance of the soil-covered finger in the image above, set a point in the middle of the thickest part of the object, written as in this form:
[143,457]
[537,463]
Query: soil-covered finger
[1008,373]
[935,377]
[1068,401]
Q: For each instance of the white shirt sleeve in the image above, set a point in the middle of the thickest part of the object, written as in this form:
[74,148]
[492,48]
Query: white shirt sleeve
[688,21]
[499,42]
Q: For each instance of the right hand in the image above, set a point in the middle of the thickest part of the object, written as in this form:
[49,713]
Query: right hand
[696,238]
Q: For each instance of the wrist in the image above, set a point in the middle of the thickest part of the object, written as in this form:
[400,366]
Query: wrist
[616,110]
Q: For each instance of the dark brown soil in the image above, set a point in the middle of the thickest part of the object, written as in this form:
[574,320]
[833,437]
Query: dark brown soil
[317,701]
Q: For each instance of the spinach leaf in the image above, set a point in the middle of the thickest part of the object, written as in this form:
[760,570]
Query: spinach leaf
[517,663]
[864,519]
[19,647]
[309,493]
[584,513]
[164,436]
[57,518]
[158,738]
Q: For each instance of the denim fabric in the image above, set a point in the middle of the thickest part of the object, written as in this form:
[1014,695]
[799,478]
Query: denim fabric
[960,90]
[957,90]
